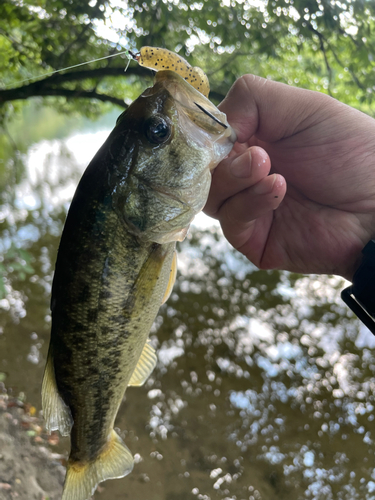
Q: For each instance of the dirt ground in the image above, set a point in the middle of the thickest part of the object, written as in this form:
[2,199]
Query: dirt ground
[29,470]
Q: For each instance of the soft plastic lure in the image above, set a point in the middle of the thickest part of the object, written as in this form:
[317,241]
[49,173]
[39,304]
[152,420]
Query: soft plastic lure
[162,59]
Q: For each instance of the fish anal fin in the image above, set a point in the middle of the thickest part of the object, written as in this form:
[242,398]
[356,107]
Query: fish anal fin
[56,413]
[145,366]
[82,478]
[172,278]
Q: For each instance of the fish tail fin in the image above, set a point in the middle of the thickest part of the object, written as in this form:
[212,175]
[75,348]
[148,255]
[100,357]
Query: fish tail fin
[113,462]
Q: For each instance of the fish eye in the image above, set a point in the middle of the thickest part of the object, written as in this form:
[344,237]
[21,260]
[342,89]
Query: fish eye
[157,130]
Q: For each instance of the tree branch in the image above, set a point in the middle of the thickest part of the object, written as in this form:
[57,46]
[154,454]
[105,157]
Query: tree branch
[52,85]
[14,94]
[321,39]
[323,50]
[230,58]
[352,74]
[59,78]
[73,42]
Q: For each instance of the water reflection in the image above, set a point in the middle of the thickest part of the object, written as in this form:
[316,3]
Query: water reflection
[265,382]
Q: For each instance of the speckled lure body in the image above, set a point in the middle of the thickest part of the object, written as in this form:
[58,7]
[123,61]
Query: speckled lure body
[160,59]
[113,270]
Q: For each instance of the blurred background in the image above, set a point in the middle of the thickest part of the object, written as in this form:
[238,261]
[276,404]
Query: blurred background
[264,387]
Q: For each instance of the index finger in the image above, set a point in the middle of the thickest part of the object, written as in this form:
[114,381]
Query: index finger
[234,174]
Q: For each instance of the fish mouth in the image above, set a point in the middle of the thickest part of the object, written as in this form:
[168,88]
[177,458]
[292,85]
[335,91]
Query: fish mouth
[211,115]
[196,108]
[230,133]
[200,110]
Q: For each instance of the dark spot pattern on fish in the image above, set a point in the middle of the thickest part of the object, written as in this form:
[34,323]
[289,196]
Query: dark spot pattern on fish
[81,380]
[105,330]
[119,319]
[77,327]
[110,392]
[105,294]
[93,371]
[87,362]
[92,315]
[113,359]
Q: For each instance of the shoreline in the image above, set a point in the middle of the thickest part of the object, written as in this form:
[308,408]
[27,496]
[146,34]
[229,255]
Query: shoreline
[29,470]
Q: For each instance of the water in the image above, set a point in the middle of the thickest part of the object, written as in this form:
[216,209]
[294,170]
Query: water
[264,388]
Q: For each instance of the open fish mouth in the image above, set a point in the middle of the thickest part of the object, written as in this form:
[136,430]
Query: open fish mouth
[198,109]
[199,118]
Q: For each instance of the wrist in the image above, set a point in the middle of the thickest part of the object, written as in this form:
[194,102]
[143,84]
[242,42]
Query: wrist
[354,244]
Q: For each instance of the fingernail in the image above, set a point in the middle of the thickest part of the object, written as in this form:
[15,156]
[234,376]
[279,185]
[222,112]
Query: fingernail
[265,187]
[241,166]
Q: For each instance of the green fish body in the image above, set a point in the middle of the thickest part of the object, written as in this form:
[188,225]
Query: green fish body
[113,271]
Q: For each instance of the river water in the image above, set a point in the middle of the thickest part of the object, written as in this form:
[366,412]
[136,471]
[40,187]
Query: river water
[264,387]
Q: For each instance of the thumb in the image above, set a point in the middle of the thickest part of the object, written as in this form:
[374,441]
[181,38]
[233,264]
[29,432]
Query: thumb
[272,110]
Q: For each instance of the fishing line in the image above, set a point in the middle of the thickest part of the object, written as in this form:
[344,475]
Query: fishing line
[126,52]
[211,115]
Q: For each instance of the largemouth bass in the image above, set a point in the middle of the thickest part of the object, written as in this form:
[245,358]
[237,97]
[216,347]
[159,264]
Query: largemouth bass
[115,266]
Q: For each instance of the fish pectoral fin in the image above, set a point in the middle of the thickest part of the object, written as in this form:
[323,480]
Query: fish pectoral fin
[114,461]
[172,278]
[56,413]
[145,365]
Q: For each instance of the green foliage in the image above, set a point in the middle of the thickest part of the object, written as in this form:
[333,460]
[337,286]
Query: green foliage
[322,45]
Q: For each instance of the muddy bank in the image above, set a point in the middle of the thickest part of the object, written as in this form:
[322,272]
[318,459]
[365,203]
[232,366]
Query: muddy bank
[29,470]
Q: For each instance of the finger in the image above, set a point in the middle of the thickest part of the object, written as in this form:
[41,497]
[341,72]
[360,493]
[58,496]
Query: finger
[272,110]
[234,174]
[247,216]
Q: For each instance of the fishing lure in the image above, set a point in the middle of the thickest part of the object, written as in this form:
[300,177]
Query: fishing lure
[162,59]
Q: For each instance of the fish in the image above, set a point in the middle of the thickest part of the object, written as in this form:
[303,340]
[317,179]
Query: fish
[116,265]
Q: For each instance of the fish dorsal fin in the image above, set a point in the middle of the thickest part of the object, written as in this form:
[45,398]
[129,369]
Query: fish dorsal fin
[145,365]
[172,278]
[56,413]
[115,460]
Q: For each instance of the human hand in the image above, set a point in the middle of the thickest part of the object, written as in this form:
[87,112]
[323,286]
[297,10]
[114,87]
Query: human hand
[323,152]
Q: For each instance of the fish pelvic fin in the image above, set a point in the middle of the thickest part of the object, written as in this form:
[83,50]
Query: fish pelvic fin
[145,365]
[113,462]
[56,413]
